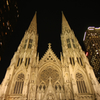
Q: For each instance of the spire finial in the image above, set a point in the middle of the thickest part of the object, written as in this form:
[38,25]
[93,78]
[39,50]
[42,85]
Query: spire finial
[35,12]
[49,45]
[62,12]
[33,24]
[65,25]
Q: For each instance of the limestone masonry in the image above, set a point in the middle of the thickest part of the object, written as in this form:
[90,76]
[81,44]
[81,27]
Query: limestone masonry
[50,78]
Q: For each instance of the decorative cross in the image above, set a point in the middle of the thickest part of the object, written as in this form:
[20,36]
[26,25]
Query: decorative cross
[49,80]
[49,45]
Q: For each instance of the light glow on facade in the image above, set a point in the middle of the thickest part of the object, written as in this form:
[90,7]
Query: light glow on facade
[87,53]
[84,36]
[91,28]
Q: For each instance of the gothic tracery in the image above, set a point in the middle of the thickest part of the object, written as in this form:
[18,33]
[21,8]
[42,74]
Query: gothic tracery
[29,78]
[49,72]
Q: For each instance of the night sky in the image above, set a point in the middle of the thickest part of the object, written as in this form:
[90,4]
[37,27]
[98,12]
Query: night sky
[79,15]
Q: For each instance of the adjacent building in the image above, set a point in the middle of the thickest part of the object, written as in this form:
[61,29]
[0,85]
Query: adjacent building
[69,78]
[92,44]
[9,15]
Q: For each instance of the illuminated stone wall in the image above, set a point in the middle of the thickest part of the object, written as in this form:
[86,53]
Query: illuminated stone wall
[69,78]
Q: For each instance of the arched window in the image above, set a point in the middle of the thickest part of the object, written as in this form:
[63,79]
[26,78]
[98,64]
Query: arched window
[27,61]
[68,43]
[19,84]
[19,61]
[73,43]
[72,60]
[30,43]
[25,44]
[57,86]
[80,83]
[42,86]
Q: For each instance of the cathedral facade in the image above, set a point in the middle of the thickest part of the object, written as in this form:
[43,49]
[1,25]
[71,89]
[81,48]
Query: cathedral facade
[69,78]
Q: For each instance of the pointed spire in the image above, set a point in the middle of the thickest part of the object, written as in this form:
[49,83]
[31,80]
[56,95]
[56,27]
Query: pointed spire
[33,24]
[65,25]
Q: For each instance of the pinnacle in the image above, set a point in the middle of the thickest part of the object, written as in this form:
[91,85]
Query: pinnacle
[49,45]
[65,25]
[33,24]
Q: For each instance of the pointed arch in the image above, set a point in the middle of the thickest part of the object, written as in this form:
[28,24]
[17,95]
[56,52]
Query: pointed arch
[42,86]
[49,70]
[57,85]
[81,83]
[18,86]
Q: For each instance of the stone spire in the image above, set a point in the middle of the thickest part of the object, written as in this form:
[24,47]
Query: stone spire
[65,25]
[33,25]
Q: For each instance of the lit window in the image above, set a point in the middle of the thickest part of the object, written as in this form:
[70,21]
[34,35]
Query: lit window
[97,53]
[7,2]
[5,33]
[7,23]
[17,15]
[93,44]
[0,43]
[8,28]
[3,24]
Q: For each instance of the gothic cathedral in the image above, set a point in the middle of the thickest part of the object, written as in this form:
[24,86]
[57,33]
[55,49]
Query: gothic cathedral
[50,78]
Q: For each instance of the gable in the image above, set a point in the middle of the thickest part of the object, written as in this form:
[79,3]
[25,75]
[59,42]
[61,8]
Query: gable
[48,57]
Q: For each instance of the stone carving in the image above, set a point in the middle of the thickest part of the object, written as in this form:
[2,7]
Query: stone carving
[50,72]
[91,79]
[36,74]
[50,96]
[69,93]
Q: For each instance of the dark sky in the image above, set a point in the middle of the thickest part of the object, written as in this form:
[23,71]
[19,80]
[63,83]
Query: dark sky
[79,15]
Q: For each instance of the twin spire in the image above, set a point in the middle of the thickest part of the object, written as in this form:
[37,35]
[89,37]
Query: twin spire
[33,24]
[65,25]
